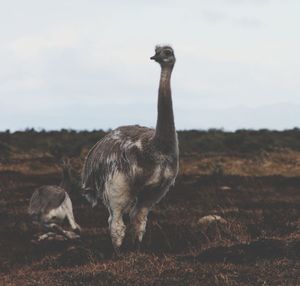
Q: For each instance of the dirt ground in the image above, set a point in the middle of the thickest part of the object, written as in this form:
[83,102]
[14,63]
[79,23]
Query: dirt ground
[253,239]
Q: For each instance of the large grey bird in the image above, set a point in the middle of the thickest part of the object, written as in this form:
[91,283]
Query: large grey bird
[133,167]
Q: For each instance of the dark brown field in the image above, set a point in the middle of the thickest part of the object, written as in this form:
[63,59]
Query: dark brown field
[250,179]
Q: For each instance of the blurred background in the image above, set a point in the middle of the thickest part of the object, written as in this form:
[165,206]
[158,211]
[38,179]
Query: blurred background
[85,64]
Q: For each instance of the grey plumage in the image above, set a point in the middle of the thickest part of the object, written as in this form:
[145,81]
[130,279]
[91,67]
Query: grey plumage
[132,167]
[50,205]
[46,198]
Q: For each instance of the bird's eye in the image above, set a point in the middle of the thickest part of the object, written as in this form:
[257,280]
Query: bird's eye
[168,53]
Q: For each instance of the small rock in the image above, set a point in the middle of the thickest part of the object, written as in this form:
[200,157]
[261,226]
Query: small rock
[225,188]
[206,220]
[217,228]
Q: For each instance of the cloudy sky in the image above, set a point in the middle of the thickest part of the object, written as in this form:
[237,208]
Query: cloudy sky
[85,64]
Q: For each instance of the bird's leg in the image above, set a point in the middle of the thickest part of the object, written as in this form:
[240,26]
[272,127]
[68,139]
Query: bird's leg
[138,219]
[116,249]
[70,216]
[146,200]
[118,199]
[75,226]
[117,230]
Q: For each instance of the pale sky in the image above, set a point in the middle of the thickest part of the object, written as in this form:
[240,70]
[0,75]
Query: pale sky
[85,64]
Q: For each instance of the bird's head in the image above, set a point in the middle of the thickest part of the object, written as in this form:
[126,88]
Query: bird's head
[164,55]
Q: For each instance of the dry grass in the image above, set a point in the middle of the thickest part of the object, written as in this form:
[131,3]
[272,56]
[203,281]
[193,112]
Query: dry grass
[257,242]
[282,163]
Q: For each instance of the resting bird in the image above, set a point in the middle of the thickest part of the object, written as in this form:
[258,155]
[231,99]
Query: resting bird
[50,205]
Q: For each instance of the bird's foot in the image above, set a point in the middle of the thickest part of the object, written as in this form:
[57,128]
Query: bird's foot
[117,252]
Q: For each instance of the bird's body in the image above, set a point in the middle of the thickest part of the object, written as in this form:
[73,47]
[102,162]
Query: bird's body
[50,205]
[132,167]
[45,199]
[128,156]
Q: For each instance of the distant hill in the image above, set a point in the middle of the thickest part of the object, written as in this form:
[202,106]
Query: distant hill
[72,143]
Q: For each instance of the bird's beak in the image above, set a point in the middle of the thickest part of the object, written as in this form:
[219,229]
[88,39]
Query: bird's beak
[154,57]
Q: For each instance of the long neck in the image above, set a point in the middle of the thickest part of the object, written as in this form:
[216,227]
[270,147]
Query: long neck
[66,179]
[165,133]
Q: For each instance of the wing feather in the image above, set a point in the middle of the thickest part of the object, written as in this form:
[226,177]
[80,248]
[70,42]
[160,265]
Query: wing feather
[115,152]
